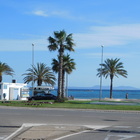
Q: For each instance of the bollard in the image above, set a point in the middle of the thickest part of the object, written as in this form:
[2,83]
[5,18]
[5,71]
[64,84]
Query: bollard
[126,96]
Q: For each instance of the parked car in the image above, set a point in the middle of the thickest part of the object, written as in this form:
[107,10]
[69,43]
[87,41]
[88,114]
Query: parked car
[42,96]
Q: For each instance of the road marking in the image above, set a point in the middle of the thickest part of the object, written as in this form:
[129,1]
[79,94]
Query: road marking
[23,126]
[14,133]
[122,137]
[32,124]
[71,135]
[89,126]
[57,125]
[96,126]
[2,138]
[122,126]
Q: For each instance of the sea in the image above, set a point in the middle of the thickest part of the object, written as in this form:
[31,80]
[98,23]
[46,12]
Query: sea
[95,93]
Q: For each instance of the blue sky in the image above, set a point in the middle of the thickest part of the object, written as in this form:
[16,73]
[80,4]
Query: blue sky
[115,24]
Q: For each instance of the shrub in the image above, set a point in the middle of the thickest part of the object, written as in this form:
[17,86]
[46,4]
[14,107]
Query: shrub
[61,100]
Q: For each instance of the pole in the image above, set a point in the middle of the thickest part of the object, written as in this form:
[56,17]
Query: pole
[66,93]
[32,68]
[101,75]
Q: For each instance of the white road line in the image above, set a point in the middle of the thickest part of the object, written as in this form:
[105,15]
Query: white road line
[14,133]
[96,126]
[71,135]
[3,137]
[23,126]
[32,124]
[89,126]
[121,137]
[122,126]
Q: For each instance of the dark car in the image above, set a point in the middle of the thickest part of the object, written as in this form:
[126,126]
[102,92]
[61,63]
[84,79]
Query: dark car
[42,96]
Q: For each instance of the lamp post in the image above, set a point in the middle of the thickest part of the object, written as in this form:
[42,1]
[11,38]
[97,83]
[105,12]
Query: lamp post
[66,90]
[101,75]
[32,68]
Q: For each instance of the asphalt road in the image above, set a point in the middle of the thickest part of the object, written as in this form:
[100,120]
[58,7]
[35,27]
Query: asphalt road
[108,133]
[113,125]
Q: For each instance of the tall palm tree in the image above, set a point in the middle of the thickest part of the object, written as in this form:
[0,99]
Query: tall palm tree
[40,73]
[60,42]
[111,68]
[5,69]
[68,67]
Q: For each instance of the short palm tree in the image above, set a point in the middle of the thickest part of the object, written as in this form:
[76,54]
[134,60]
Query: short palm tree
[111,68]
[40,73]
[60,42]
[68,67]
[6,70]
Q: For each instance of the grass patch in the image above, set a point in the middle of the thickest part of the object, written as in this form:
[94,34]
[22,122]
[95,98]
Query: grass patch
[69,104]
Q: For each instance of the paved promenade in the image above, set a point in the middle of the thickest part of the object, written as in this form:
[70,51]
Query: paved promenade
[108,99]
[46,132]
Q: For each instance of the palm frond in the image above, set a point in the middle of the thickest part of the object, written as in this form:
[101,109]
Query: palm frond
[40,73]
[112,67]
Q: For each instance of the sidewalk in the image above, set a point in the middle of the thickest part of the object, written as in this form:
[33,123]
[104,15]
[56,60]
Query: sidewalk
[113,99]
[46,132]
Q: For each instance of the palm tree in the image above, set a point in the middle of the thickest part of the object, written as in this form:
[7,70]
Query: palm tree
[60,42]
[40,73]
[68,67]
[5,69]
[111,68]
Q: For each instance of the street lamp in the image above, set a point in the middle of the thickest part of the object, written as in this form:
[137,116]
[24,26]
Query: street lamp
[66,90]
[32,68]
[101,75]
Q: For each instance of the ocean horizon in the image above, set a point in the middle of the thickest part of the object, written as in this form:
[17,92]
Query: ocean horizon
[95,93]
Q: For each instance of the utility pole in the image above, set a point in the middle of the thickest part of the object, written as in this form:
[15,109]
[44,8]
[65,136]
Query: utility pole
[32,68]
[66,90]
[101,75]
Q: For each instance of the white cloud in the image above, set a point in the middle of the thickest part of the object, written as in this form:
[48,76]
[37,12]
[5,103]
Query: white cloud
[22,45]
[111,55]
[108,36]
[104,35]
[45,13]
[40,13]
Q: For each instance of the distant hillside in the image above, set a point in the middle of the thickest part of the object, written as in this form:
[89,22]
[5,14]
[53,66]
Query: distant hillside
[127,88]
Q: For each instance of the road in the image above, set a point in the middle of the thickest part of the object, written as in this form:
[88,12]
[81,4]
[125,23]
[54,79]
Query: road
[108,133]
[113,125]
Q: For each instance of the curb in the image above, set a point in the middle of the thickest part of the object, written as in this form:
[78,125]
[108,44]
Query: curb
[71,109]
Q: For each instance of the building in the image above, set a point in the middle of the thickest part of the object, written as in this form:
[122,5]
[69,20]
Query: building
[13,91]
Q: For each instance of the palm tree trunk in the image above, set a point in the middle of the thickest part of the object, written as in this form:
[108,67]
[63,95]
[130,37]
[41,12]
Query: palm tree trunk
[59,89]
[0,78]
[111,86]
[60,75]
[39,82]
[63,85]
